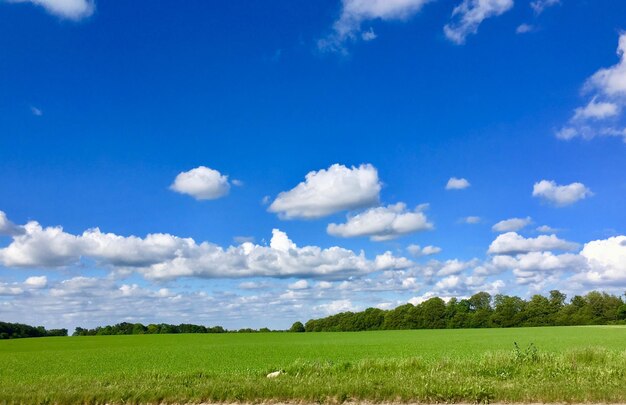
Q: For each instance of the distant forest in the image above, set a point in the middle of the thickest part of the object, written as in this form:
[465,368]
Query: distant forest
[18,330]
[481,310]
[126,328]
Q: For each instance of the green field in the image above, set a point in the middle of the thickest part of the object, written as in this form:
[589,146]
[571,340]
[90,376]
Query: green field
[572,364]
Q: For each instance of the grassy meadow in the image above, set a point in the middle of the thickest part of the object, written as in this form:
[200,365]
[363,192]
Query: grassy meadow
[565,364]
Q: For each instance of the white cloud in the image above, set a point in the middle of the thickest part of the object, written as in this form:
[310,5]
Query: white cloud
[252,285]
[534,267]
[560,196]
[163,256]
[454,266]
[524,28]
[467,16]
[597,110]
[512,243]
[512,224]
[538,261]
[588,132]
[546,229]
[69,9]
[36,282]
[6,289]
[355,12]
[7,227]
[612,81]
[201,183]
[89,302]
[418,251]
[282,259]
[387,261]
[328,191]
[460,286]
[299,285]
[324,285]
[337,306]
[606,262]
[39,247]
[281,242]
[601,117]
[471,220]
[540,5]
[601,263]
[382,223]
[457,184]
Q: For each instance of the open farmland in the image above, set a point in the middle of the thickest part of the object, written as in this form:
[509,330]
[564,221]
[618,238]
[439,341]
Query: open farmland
[571,364]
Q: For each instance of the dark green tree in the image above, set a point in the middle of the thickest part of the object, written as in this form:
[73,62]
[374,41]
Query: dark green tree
[297,327]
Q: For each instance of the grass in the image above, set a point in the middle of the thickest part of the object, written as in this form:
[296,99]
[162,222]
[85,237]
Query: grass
[567,364]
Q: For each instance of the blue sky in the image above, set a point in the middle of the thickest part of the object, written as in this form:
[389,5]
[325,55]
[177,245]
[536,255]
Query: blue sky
[188,132]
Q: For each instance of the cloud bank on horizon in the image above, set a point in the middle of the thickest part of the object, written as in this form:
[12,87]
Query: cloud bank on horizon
[342,275]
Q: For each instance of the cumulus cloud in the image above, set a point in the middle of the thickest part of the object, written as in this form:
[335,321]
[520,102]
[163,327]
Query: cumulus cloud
[454,266]
[467,17]
[68,9]
[201,183]
[601,117]
[355,12]
[558,195]
[511,243]
[164,256]
[328,191]
[512,224]
[418,251]
[534,267]
[382,223]
[540,5]
[457,184]
[534,261]
[606,261]
[36,282]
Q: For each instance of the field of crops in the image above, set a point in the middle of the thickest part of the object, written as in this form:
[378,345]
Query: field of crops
[570,364]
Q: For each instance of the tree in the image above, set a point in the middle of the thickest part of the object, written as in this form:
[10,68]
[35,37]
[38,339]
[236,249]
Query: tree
[433,313]
[297,327]
[508,311]
[480,305]
[538,311]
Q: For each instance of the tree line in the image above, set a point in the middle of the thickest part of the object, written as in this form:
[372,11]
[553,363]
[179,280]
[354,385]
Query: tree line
[19,330]
[126,328]
[482,310]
